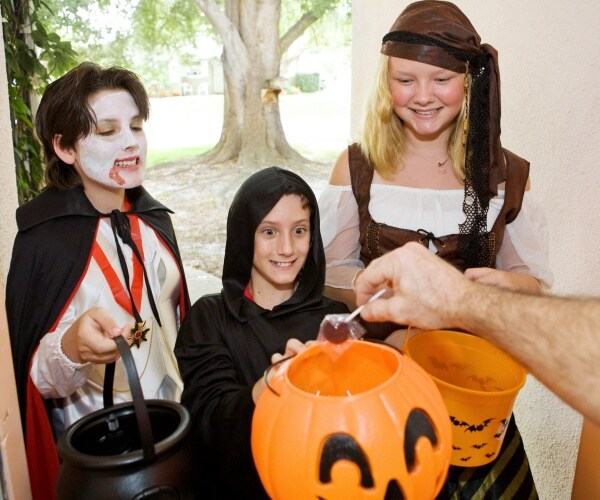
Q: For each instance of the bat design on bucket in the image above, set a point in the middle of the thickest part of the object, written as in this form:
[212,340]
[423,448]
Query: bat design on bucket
[479,446]
[480,427]
[458,423]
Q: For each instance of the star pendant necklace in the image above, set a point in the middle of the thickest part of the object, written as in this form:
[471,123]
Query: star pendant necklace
[441,165]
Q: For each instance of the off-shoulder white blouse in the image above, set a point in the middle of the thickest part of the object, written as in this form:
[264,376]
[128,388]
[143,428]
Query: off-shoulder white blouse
[524,247]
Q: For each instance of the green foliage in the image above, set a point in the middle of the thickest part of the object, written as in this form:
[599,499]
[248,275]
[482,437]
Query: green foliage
[145,36]
[323,39]
[33,56]
[307,82]
[318,7]
[169,24]
[148,36]
[334,20]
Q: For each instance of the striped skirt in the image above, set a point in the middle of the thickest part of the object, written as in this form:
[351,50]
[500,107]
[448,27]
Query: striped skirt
[507,477]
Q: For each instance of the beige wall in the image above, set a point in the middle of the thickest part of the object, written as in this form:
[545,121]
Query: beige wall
[11,438]
[8,193]
[549,66]
[12,453]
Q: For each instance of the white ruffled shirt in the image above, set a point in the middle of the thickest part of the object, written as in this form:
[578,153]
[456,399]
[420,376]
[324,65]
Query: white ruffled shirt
[77,388]
[524,247]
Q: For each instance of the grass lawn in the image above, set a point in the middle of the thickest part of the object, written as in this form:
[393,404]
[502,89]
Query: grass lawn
[156,157]
[316,124]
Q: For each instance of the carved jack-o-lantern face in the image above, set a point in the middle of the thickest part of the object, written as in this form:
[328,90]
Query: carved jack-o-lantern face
[353,420]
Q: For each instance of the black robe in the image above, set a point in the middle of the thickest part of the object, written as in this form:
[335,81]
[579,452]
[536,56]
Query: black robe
[226,341]
[51,251]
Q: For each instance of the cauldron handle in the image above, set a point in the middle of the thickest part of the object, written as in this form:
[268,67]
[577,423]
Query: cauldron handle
[137,396]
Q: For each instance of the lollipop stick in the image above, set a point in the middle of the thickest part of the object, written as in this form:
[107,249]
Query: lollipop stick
[357,311]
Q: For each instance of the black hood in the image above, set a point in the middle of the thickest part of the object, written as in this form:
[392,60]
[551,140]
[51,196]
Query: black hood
[253,201]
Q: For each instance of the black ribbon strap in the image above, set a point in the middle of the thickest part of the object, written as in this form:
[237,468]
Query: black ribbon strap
[121,226]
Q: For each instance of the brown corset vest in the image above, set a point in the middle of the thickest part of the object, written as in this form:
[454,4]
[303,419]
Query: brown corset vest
[377,239]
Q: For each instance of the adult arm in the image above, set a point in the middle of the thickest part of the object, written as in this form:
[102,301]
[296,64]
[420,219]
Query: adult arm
[509,280]
[555,338]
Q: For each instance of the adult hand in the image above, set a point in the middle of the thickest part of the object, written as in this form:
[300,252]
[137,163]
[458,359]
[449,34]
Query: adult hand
[517,282]
[426,291]
[89,339]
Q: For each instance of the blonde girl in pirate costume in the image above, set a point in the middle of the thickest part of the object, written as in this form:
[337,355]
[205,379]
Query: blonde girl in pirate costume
[95,257]
[429,167]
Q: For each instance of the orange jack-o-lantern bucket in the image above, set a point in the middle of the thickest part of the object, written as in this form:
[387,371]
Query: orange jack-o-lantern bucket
[479,383]
[351,420]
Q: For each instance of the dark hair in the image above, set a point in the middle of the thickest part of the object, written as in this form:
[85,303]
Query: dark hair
[254,199]
[303,199]
[64,111]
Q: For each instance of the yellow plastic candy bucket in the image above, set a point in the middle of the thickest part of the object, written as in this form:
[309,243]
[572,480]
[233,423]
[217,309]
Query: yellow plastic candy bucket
[479,384]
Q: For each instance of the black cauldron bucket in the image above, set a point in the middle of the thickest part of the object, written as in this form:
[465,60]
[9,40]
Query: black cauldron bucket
[137,450]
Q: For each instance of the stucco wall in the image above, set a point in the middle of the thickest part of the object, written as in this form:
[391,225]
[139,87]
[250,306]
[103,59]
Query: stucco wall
[8,193]
[12,454]
[549,54]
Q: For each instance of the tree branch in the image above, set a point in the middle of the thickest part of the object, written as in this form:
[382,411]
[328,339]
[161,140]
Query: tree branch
[227,30]
[297,30]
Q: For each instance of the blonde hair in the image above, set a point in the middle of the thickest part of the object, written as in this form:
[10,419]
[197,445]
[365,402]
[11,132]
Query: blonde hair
[382,138]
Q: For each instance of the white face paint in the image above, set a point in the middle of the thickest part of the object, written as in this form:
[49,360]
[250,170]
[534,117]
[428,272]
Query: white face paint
[114,153]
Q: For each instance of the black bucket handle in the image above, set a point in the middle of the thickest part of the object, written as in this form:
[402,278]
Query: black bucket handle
[137,396]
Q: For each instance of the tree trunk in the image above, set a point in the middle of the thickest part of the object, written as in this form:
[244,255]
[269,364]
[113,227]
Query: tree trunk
[252,133]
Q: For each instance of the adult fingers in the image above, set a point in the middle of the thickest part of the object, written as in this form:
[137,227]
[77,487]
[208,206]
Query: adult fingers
[376,275]
[478,273]
[385,309]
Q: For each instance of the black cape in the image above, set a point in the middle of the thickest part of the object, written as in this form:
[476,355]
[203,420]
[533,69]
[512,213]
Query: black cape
[226,341]
[50,254]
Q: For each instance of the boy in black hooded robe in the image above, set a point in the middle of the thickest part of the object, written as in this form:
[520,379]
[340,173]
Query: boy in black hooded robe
[226,340]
